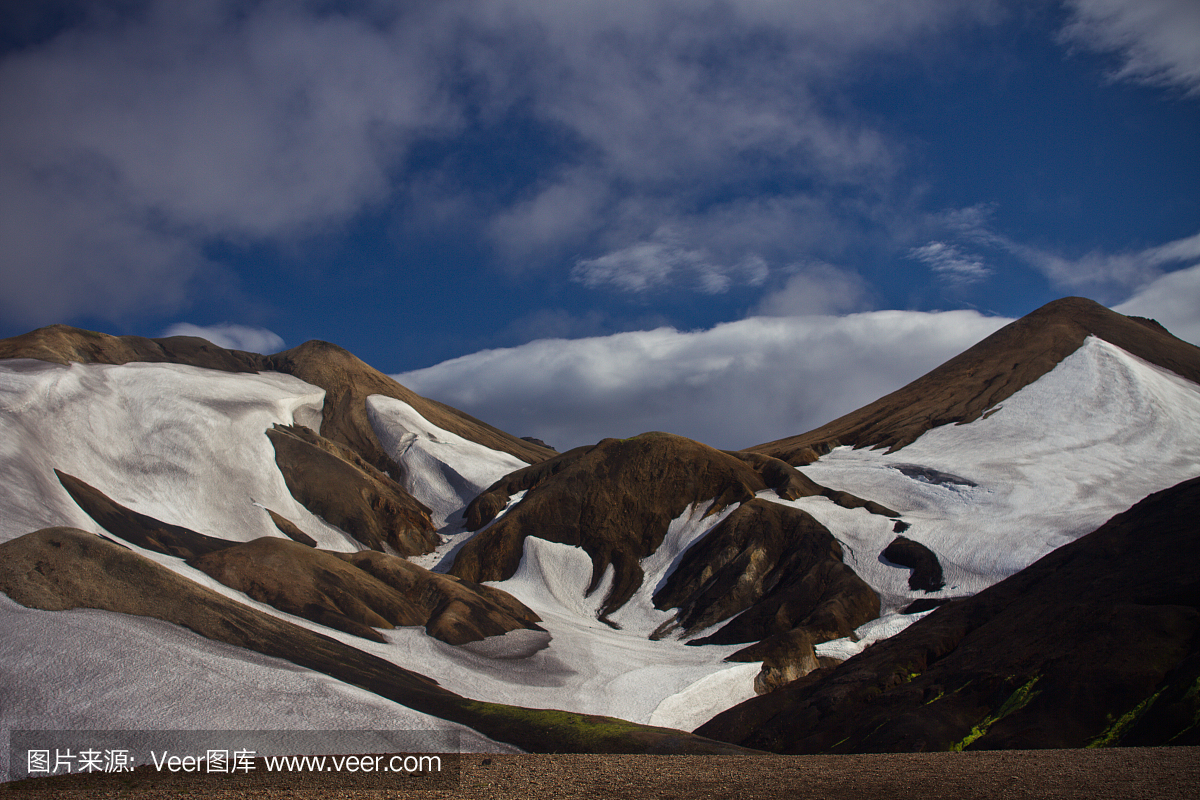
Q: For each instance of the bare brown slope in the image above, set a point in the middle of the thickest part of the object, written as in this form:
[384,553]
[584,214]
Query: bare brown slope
[965,387]
[336,484]
[352,592]
[347,382]
[616,500]
[1097,643]
[334,589]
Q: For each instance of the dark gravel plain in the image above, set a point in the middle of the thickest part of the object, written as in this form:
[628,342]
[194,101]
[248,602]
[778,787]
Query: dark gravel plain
[1124,773]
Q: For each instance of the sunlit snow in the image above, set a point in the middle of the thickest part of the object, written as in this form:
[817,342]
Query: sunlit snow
[1053,462]
[181,444]
[441,469]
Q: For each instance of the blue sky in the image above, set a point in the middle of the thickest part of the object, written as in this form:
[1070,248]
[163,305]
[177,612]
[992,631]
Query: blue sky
[443,186]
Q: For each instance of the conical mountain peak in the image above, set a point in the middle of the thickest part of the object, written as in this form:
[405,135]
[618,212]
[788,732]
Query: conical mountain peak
[964,388]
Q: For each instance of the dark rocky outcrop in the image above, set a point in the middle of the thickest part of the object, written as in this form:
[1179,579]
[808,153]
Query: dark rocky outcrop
[359,592]
[338,485]
[63,344]
[769,569]
[348,382]
[291,529]
[310,583]
[352,592]
[61,568]
[616,500]
[1097,643]
[139,529]
[968,385]
[455,611]
[926,569]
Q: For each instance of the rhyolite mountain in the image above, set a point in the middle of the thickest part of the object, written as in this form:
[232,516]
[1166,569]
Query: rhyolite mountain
[1097,643]
[1000,554]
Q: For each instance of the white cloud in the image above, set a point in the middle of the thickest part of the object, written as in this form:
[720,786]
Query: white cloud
[230,336]
[136,139]
[951,261]
[673,103]
[816,288]
[1098,273]
[1105,272]
[666,260]
[1173,300]
[1155,39]
[566,209]
[732,386]
[131,142]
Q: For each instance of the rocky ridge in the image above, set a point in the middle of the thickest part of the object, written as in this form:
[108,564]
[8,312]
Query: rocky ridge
[967,386]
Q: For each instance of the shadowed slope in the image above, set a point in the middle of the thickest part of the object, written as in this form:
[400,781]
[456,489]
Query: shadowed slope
[965,387]
[773,569]
[334,483]
[1098,643]
[61,568]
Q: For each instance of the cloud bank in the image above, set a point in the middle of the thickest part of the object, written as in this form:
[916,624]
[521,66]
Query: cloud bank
[1173,300]
[732,386]
[231,337]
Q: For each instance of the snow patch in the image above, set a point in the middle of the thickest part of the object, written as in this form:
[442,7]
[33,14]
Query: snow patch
[707,697]
[441,469]
[866,635]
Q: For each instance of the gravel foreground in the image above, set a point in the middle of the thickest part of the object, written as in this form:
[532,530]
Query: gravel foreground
[1125,773]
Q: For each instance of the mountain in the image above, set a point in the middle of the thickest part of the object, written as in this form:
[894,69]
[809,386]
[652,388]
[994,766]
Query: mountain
[226,494]
[981,378]
[301,526]
[1096,644]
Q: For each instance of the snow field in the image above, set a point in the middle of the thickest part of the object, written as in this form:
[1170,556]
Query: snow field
[181,444]
[1055,461]
[187,446]
[170,679]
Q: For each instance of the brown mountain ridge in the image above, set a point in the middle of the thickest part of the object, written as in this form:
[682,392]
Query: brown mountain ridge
[968,385]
